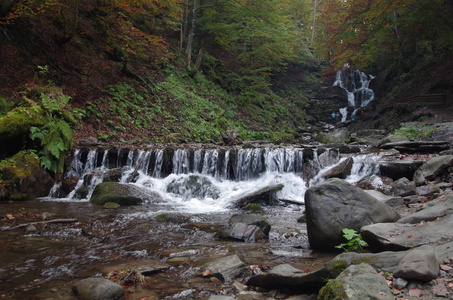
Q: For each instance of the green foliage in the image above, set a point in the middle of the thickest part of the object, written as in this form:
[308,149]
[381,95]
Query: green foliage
[354,242]
[415,133]
[4,106]
[253,207]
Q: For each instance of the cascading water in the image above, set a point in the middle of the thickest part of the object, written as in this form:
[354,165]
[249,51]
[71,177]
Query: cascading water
[208,180]
[356,84]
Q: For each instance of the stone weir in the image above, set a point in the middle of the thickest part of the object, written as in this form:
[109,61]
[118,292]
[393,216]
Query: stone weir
[229,163]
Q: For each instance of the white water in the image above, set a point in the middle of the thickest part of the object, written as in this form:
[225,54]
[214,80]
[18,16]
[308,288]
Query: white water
[254,170]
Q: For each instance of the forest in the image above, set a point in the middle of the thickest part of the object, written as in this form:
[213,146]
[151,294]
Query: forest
[184,71]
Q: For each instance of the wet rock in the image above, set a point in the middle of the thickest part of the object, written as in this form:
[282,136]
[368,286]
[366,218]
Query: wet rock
[399,283]
[336,204]
[394,138]
[123,194]
[68,184]
[357,282]
[392,201]
[245,227]
[98,289]
[342,170]
[418,265]
[428,190]
[225,268]
[432,211]
[111,205]
[348,149]
[396,169]
[334,93]
[193,186]
[433,168]
[418,146]
[265,196]
[403,187]
[88,142]
[172,218]
[396,236]
[376,182]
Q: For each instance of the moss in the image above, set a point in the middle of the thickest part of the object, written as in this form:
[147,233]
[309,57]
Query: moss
[170,218]
[18,121]
[338,266]
[253,207]
[333,290]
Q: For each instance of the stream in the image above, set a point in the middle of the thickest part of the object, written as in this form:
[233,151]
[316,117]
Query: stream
[44,262]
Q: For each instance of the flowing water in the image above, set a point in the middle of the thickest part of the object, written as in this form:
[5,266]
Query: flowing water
[45,262]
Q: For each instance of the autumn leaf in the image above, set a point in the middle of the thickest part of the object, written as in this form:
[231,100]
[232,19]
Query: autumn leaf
[445,267]
[415,292]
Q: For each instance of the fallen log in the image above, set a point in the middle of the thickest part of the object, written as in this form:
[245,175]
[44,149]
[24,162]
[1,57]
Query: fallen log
[41,222]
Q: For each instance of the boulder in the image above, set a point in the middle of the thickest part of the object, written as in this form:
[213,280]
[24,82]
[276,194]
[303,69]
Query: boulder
[418,265]
[193,186]
[286,276]
[357,282]
[98,289]
[265,196]
[397,236]
[432,168]
[403,187]
[225,268]
[341,170]
[123,194]
[336,204]
[397,169]
[393,201]
[245,227]
[23,178]
[430,212]
[394,138]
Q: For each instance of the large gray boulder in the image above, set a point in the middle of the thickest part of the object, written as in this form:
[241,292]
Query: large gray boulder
[98,289]
[336,204]
[123,194]
[357,282]
[433,168]
[396,236]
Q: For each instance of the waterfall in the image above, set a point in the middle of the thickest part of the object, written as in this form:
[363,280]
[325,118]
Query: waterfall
[207,179]
[356,84]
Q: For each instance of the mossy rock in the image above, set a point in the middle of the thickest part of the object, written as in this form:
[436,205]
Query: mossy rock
[18,121]
[122,193]
[253,207]
[332,291]
[111,205]
[172,218]
[23,178]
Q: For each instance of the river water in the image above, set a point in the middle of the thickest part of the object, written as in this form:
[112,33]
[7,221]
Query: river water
[45,262]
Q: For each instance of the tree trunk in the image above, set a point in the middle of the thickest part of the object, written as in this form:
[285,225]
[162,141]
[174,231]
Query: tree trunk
[314,21]
[191,34]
